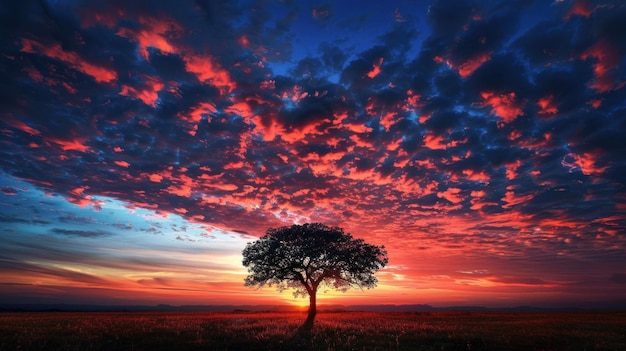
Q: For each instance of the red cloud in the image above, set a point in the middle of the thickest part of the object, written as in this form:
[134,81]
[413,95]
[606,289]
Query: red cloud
[148,93]
[196,112]
[513,199]
[465,69]
[55,51]
[607,58]
[207,69]
[243,41]
[181,190]
[36,76]
[154,33]
[547,106]
[375,69]
[67,145]
[22,126]
[587,164]
[452,195]
[434,142]
[581,8]
[477,176]
[157,178]
[468,67]
[504,106]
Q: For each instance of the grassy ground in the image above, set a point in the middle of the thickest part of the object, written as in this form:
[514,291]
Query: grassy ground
[332,331]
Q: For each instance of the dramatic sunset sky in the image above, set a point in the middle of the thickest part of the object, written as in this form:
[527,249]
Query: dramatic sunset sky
[144,143]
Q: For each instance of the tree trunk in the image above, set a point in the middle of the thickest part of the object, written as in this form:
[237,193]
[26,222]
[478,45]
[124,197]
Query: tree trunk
[312,308]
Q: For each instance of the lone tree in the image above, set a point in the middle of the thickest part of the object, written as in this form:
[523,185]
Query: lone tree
[306,256]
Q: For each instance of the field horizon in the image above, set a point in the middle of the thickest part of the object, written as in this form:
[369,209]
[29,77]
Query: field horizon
[80,307]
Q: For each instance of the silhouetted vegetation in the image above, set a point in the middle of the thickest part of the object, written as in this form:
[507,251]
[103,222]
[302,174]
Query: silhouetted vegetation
[332,331]
[303,257]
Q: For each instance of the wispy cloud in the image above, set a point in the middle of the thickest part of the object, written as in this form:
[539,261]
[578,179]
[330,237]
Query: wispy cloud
[81,233]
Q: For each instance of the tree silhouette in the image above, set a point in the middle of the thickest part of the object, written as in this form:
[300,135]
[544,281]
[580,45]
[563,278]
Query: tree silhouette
[303,257]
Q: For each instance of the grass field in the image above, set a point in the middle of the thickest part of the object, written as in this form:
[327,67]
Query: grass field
[332,331]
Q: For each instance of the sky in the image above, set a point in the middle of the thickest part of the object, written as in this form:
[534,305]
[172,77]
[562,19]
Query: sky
[144,143]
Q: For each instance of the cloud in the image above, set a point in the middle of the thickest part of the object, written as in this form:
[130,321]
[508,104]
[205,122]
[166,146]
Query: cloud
[12,219]
[81,233]
[322,13]
[9,190]
[38,270]
[521,281]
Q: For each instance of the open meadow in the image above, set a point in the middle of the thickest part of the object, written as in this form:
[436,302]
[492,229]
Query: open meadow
[332,331]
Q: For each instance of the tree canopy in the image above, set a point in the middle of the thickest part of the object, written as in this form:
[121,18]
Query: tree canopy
[303,257]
